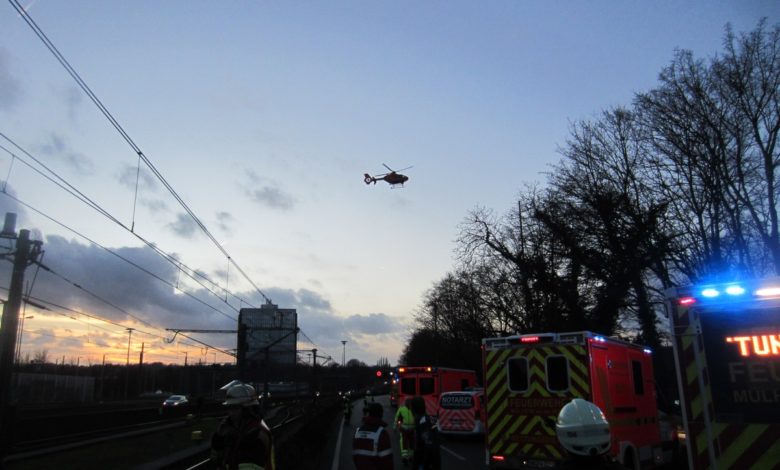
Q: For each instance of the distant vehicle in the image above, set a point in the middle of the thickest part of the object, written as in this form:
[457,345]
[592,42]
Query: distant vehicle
[430,382]
[175,401]
[393,178]
[462,413]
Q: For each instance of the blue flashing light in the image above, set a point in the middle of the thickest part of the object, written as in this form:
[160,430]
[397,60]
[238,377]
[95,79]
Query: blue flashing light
[735,290]
[710,292]
[600,339]
[647,351]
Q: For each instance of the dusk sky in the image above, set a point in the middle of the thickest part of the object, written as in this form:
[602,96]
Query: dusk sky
[263,117]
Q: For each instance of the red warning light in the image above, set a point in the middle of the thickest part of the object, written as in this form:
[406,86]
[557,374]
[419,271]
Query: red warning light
[687,301]
[529,339]
[379,373]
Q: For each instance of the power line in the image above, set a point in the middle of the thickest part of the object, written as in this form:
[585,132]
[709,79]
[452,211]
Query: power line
[160,337]
[141,268]
[103,109]
[78,286]
[73,191]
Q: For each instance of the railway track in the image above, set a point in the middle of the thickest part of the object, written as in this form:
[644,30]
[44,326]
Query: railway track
[282,418]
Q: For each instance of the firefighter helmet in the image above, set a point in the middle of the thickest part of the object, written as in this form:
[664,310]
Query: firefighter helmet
[582,428]
[241,394]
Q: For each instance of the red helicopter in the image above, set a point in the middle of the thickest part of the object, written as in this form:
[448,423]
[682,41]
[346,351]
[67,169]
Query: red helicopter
[394,177]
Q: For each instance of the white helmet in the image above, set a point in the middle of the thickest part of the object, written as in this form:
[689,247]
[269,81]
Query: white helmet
[582,428]
[241,394]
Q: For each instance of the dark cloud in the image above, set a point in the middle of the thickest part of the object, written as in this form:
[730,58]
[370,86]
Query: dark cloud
[115,290]
[10,88]
[184,226]
[55,146]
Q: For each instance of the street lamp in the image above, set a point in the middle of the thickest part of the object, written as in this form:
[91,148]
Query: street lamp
[343,352]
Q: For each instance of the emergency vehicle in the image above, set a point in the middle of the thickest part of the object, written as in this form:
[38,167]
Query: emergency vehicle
[726,341]
[430,382]
[530,378]
[462,412]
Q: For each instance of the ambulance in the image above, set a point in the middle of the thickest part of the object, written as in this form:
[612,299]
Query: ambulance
[462,413]
[529,378]
[430,382]
[726,339]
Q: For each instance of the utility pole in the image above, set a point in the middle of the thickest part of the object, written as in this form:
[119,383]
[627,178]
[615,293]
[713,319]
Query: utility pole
[343,352]
[127,364]
[27,251]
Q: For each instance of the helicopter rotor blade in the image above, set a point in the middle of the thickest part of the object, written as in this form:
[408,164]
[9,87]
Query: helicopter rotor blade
[404,169]
[387,167]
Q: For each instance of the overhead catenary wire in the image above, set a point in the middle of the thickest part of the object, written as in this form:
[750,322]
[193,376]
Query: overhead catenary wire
[48,304]
[104,110]
[73,191]
[137,266]
[82,288]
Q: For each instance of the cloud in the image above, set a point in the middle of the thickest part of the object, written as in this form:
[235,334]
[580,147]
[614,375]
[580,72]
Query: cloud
[10,88]
[7,204]
[267,192]
[224,221]
[129,174]
[154,205]
[113,289]
[272,197]
[373,324]
[72,97]
[56,146]
[184,226]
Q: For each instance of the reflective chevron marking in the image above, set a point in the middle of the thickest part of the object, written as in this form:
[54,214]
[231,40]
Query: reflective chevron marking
[516,420]
[737,445]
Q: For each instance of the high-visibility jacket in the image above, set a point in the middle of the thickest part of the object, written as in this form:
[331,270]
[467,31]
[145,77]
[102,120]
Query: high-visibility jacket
[371,446]
[404,417]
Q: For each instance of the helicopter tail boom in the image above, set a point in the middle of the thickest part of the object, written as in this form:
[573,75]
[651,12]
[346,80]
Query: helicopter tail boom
[368,179]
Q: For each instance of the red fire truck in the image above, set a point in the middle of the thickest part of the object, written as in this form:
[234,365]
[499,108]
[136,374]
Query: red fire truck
[727,354]
[529,378]
[430,382]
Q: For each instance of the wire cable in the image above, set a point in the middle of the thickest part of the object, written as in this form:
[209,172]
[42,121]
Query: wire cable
[73,191]
[103,109]
[141,268]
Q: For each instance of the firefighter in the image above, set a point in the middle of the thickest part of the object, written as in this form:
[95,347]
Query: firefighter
[426,442]
[367,400]
[584,432]
[243,440]
[404,425]
[347,409]
[372,448]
